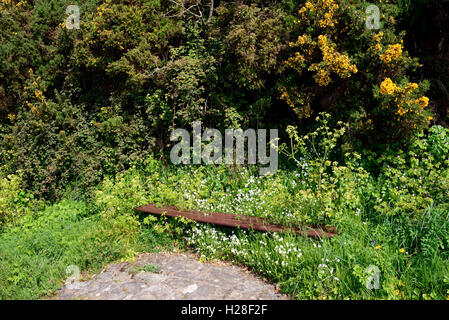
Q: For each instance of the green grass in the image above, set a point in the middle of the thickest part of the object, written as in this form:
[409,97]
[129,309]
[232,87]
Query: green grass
[35,254]
[153,268]
[331,269]
[410,249]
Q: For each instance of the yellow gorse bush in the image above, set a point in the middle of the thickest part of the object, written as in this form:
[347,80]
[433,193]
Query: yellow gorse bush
[404,97]
[5,3]
[324,14]
[340,65]
[333,61]
[394,52]
[325,10]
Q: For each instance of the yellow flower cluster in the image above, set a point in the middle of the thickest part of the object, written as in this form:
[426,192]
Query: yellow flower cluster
[299,102]
[39,94]
[326,8]
[388,87]
[102,8]
[322,77]
[285,96]
[393,53]
[306,44]
[296,61]
[301,40]
[4,3]
[411,86]
[377,39]
[11,117]
[423,102]
[333,61]
[33,108]
[402,96]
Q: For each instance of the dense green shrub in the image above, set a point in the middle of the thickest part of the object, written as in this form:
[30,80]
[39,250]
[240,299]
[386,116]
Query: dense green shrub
[85,103]
[37,250]
[14,201]
[58,145]
[357,73]
[413,180]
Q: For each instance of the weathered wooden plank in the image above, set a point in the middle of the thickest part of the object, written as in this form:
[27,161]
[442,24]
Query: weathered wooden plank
[233,220]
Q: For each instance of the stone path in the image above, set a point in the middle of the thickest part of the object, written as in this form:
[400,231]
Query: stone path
[170,276]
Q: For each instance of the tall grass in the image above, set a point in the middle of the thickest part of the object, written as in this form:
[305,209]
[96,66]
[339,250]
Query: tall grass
[35,253]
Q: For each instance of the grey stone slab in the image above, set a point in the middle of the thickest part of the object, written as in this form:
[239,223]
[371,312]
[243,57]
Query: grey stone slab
[181,276]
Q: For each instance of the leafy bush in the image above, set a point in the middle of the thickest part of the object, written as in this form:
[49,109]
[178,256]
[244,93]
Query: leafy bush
[329,187]
[58,145]
[38,249]
[413,180]
[79,105]
[343,66]
[14,201]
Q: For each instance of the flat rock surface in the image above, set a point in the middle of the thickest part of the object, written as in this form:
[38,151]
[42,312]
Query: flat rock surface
[178,276]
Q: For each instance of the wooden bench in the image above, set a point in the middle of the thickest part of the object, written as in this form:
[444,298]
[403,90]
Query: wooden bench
[236,221]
